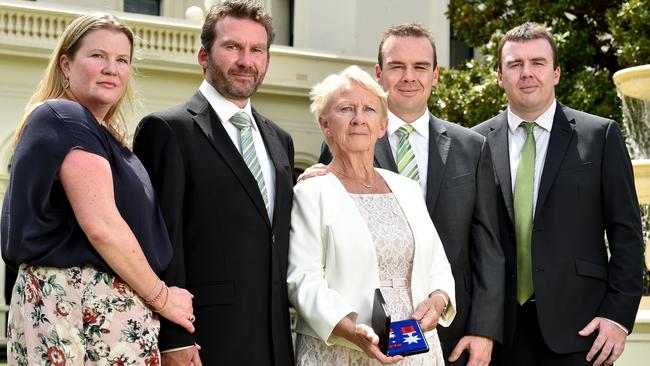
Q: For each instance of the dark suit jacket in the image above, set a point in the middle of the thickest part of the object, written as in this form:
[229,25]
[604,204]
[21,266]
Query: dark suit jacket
[586,189]
[461,201]
[226,251]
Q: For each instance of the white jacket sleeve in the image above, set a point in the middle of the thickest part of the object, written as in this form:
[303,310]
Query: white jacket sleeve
[319,306]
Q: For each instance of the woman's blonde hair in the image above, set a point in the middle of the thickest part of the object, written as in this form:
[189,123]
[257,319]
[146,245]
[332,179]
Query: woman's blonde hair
[54,85]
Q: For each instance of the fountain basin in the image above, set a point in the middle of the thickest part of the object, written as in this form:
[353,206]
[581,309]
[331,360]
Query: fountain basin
[642,179]
[634,81]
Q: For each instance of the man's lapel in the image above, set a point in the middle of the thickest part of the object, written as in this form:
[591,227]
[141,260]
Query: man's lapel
[384,155]
[439,145]
[561,134]
[497,139]
[279,159]
[210,124]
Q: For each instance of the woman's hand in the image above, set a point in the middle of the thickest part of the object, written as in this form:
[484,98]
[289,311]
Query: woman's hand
[364,337]
[368,341]
[428,311]
[99,218]
[178,308]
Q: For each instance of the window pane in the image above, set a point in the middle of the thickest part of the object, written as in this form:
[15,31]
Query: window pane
[151,7]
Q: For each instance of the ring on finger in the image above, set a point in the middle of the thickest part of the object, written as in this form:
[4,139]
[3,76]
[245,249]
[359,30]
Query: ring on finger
[191,318]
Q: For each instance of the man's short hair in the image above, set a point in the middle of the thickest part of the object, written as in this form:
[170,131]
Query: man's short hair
[527,32]
[407,30]
[240,9]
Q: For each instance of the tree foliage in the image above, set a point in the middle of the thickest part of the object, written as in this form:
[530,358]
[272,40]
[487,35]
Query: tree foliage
[630,27]
[595,39]
[467,95]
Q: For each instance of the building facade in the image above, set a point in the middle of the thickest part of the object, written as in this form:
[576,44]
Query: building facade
[314,38]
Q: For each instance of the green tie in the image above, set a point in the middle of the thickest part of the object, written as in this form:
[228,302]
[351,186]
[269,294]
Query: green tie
[406,163]
[524,186]
[243,123]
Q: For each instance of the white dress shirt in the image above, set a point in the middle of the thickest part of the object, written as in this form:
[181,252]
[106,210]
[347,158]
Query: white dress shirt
[517,138]
[419,140]
[225,109]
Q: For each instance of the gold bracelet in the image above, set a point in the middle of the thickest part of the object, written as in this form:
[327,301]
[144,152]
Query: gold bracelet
[166,301]
[153,290]
[155,299]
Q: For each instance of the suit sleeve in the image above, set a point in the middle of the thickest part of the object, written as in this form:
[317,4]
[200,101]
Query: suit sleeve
[623,227]
[157,148]
[291,154]
[325,154]
[488,263]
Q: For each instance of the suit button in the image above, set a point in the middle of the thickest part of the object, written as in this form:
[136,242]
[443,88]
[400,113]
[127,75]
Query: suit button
[273,239]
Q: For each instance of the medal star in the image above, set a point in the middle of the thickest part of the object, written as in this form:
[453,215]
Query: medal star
[410,339]
[391,336]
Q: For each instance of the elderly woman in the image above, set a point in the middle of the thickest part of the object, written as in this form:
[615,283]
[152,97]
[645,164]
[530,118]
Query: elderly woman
[80,218]
[358,228]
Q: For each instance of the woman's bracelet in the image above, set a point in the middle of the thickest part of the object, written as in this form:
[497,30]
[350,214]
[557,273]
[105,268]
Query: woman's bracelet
[157,297]
[153,291]
[166,301]
[444,299]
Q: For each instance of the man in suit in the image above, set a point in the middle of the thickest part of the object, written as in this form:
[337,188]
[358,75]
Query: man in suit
[223,175]
[455,173]
[565,180]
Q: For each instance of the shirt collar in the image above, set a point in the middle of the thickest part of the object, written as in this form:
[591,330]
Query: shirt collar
[420,125]
[545,120]
[224,108]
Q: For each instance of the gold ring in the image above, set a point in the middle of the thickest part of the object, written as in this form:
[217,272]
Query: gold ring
[191,318]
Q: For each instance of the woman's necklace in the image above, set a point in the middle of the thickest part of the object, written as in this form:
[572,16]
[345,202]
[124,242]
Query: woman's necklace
[368,186]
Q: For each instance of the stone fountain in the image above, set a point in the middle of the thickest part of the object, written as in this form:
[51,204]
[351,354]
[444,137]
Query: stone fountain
[633,86]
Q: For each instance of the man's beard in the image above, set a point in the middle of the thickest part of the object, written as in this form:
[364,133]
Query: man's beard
[233,89]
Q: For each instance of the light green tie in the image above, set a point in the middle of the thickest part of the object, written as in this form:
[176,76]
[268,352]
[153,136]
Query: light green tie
[406,163]
[524,186]
[243,122]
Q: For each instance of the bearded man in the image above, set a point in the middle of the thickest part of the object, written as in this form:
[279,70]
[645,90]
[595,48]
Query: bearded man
[223,174]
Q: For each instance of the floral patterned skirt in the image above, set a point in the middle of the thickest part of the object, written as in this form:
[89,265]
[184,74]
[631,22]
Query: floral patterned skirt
[78,316]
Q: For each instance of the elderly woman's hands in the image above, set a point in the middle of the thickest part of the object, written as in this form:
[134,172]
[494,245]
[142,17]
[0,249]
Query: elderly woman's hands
[429,311]
[177,308]
[368,341]
[365,338]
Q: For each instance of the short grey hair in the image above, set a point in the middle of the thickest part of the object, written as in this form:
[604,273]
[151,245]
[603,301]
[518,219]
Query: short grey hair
[321,94]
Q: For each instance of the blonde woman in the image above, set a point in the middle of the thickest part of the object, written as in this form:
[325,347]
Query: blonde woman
[358,228]
[80,219]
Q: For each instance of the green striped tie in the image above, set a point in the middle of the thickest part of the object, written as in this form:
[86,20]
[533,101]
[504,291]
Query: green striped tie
[406,163]
[524,188]
[243,122]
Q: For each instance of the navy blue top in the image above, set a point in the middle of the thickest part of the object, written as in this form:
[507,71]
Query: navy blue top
[38,224]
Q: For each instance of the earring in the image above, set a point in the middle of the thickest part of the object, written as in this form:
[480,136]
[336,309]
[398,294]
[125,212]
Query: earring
[66,83]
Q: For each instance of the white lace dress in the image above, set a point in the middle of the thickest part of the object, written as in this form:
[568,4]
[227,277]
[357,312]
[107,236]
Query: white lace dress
[394,246]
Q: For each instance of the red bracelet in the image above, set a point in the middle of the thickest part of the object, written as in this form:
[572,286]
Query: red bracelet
[157,297]
[153,290]
[166,302]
